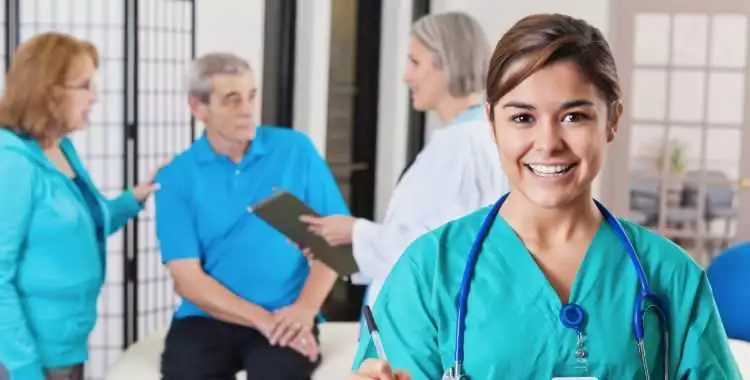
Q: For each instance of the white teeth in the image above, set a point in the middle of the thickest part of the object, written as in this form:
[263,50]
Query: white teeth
[549,170]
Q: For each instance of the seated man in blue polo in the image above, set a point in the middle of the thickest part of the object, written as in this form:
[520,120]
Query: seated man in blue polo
[250,297]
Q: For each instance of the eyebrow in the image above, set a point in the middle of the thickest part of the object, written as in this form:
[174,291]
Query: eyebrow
[231,94]
[234,94]
[567,105]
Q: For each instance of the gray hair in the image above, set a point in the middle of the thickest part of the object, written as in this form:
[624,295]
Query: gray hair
[460,47]
[203,69]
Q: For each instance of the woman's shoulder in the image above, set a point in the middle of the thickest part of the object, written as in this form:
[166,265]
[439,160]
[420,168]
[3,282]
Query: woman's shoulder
[432,264]
[446,246]
[15,155]
[658,253]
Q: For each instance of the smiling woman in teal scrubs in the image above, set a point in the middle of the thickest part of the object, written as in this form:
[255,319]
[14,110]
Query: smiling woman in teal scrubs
[555,103]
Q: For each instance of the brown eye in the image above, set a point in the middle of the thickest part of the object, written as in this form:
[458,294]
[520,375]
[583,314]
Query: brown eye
[574,117]
[521,119]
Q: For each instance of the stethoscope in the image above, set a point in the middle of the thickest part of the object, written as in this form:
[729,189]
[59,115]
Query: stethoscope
[571,315]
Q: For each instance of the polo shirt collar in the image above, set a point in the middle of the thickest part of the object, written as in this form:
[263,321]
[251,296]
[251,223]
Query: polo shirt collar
[205,153]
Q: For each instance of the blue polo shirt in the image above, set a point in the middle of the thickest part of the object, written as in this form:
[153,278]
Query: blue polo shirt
[202,213]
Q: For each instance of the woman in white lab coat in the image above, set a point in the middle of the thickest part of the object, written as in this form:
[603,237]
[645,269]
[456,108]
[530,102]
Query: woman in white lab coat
[458,170]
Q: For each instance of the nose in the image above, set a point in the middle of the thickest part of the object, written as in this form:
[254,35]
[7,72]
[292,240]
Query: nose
[548,136]
[246,110]
[407,78]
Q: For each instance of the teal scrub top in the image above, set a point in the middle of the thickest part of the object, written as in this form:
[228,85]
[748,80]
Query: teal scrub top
[513,328]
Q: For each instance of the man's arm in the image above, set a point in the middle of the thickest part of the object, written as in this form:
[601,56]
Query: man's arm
[324,196]
[318,285]
[180,249]
[192,283]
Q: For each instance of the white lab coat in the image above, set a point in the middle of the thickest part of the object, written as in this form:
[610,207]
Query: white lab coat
[457,172]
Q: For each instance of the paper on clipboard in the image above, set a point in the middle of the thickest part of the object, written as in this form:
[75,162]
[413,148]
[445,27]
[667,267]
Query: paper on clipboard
[283,210]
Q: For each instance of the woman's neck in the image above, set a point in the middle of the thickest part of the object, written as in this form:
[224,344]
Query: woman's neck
[550,227]
[450,107]
[50,143]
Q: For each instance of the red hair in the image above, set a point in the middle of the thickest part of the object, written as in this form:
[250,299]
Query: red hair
[30,104]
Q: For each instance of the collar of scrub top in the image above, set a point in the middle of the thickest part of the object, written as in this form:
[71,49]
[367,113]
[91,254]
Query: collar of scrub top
[205,153]
[571,315]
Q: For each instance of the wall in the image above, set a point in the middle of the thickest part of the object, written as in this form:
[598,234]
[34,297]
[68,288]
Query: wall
[239,31]
[311,71]
[496,17]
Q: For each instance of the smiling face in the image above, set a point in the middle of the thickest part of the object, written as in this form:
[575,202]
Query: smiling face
[428,84]
[552,131]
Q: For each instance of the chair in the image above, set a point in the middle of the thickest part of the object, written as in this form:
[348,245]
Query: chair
[719,201]
[338,344]
[644,200]
[728,274]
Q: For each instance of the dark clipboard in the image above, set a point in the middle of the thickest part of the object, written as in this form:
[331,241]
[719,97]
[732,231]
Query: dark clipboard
[283,210]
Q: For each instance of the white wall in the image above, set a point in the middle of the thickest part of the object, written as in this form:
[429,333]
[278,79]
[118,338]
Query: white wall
[497,16]
[239,31]
[311,60]
[393,100]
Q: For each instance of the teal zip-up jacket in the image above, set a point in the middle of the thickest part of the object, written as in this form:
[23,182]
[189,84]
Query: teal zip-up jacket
[52,263]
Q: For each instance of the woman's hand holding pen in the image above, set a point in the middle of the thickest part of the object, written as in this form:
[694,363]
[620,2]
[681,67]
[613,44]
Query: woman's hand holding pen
[376,369]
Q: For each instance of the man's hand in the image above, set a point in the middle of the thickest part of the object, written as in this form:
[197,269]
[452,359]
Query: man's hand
[289,322]
[265,322]
[306,344]
[336,230]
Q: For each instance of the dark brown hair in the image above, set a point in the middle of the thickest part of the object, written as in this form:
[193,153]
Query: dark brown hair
[41,63]
[544,39]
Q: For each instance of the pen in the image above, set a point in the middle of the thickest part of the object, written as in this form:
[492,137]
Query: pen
[373,328]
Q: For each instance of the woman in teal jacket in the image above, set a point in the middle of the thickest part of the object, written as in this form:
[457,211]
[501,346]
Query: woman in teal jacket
[53,221]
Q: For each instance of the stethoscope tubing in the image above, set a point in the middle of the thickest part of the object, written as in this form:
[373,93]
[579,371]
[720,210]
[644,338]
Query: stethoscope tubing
[645,296]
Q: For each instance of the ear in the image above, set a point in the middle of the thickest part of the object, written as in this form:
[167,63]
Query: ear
[198,108]
[613,124]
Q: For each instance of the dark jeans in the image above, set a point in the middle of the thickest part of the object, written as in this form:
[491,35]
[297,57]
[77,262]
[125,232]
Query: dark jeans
[198,348]
[66,373]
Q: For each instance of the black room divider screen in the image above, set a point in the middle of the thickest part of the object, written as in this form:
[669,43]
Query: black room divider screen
[141,119]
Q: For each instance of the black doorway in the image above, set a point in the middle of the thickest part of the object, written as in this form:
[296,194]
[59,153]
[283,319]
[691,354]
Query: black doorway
[416,127]
[278,63]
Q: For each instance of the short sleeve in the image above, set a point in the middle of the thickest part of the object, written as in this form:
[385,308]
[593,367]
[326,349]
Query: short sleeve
[405,319]
[706,353]
[175,223]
